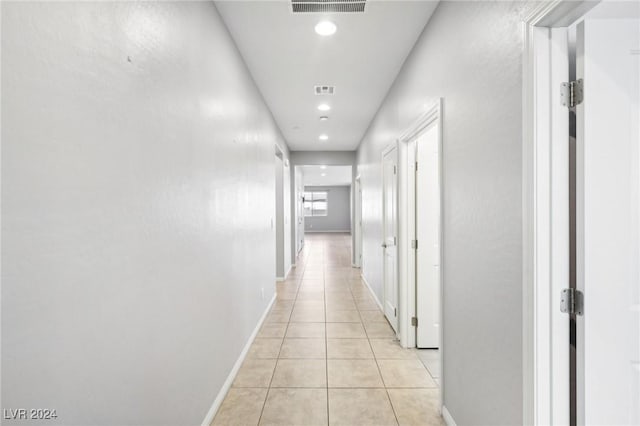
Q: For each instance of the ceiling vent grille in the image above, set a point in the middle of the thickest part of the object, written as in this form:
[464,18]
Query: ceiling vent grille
[327,6]
[324,90]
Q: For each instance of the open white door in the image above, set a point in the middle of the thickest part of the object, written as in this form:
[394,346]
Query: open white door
[389,244]
[299,193]
[428,237]
[608,211]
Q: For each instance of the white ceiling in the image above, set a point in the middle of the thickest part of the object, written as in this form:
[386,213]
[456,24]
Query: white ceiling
[287,59]
[333,175]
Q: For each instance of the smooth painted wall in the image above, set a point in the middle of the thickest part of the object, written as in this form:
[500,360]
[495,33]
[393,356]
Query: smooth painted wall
[338,218]
[469,54]
[137,204]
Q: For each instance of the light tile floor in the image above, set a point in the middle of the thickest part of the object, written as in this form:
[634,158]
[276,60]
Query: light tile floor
[431,360]
[327,356]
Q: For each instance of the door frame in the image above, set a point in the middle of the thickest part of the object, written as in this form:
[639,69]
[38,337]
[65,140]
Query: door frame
[545,207]
[279,215]
[357,226]
[389,148]
[407,229]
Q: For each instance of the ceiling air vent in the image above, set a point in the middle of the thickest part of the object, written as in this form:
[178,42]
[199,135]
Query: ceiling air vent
[324,90]
[327,6]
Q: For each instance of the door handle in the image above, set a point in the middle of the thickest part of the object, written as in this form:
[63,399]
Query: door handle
[384,245]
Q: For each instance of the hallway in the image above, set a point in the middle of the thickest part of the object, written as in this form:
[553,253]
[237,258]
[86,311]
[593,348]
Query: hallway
[207,204]
[326,355]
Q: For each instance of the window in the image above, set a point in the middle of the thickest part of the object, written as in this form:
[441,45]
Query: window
[315,203]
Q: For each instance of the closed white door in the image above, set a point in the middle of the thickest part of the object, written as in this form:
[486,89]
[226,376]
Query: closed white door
[428,238]
[389,243]
[607,217]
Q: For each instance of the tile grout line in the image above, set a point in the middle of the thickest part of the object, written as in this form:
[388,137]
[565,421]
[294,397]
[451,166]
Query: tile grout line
[326,341]
[325,266]
[298,280]
[378,366]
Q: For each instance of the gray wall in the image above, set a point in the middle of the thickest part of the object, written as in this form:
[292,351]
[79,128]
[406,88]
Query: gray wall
[469,54]
[338,216]
[135,149]
[317,158]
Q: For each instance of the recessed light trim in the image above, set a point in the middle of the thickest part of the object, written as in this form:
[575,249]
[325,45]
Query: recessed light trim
[325,28]
[324,107]
[323,137]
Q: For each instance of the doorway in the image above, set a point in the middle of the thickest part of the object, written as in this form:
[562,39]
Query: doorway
[279,216]
[427,237]
[421,230]
[581,273]
[390,233]
[357,262]
[299,210]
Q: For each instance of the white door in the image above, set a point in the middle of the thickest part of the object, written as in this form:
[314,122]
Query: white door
[389,243]
[428,238]
[299,184]
[607,210]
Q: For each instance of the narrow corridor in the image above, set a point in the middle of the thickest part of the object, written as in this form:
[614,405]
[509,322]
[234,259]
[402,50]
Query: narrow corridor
[326,354]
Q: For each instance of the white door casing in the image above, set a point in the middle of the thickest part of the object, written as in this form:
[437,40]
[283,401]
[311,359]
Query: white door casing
[389,233]
[428,234]
[608,209]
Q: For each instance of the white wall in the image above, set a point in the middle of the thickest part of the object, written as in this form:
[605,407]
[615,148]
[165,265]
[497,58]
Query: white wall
[469,54]
[338,218]
[135,149]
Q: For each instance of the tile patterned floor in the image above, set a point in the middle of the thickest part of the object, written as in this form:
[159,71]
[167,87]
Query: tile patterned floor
[327,356]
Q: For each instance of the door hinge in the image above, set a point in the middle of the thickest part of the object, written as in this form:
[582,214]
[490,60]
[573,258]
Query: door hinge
[572,93]
[395,312]
[395,241]
[395,169]
[416,166]
[571,301]
[414,321]
[414,244]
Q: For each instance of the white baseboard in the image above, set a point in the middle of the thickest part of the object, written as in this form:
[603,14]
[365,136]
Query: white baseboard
[447,417]
[236,367]
[281,279]
[372,292]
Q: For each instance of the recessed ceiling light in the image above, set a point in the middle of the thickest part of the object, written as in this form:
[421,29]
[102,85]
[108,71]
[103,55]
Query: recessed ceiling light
[324,118]
[323,137]
[323,174]
[323,167]
[326,28]
[324,107]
